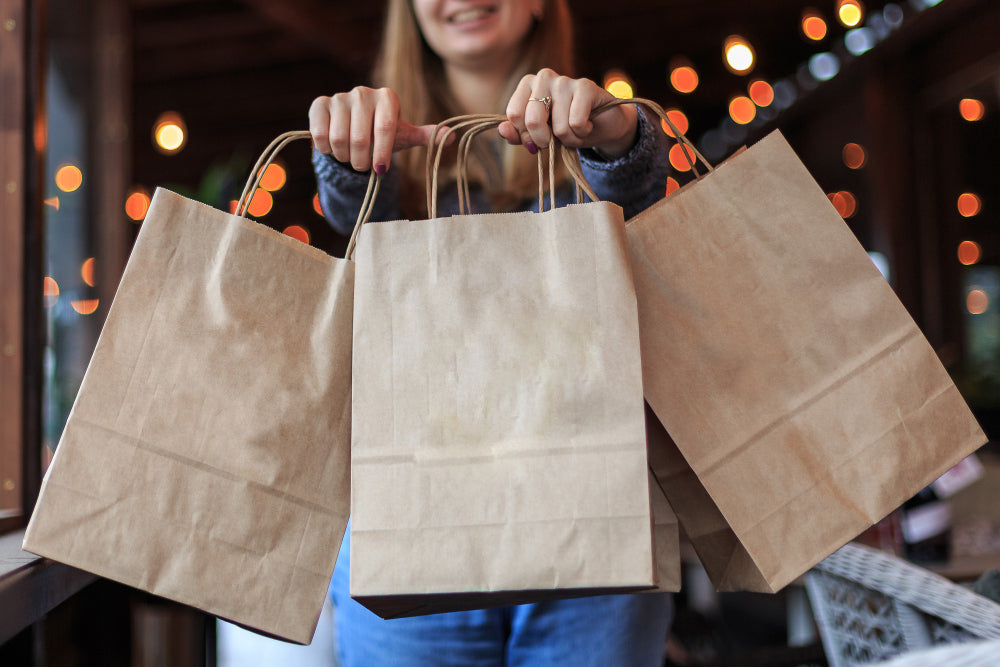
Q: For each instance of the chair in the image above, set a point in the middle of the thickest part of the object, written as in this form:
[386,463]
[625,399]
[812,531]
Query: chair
[870,606]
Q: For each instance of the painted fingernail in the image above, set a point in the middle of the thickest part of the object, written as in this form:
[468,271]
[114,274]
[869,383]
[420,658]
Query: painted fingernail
[380,169]
[532,148]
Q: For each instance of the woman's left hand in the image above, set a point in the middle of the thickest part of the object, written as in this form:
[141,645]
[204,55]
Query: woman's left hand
[532,123]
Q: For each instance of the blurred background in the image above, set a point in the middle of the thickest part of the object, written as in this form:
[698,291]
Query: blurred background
[893,106]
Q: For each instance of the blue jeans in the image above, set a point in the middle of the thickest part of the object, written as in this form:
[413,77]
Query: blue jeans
[628,630]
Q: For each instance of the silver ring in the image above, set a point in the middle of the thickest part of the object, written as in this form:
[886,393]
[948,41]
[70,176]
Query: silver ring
[547,101]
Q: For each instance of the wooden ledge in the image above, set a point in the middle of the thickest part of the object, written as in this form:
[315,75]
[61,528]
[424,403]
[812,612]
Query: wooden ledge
[31,586]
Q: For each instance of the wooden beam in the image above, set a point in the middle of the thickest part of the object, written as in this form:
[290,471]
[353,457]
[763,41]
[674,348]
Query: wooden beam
[13,130]
[347,32]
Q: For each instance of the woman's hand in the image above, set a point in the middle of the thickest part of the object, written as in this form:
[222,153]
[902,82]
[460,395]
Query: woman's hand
[572,100]
[363,128]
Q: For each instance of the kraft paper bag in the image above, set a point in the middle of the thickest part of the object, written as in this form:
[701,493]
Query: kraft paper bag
[802,402]
[206,457]
[499,450]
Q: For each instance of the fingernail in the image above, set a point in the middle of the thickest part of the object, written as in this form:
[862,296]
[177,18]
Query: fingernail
[380,169]
[532,148]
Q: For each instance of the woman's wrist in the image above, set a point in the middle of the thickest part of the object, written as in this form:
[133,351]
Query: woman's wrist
[613,150]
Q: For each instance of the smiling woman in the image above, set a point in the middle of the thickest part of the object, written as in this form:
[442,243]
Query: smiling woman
[439,59]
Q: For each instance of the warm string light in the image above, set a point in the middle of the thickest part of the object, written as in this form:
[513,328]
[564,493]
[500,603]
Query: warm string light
[971,109]
[683,76]
[969,204]
[68,177]
[169,133]
[854,155]
[813,25]
[739,56]
[850,12]
[619,85]
[137,204]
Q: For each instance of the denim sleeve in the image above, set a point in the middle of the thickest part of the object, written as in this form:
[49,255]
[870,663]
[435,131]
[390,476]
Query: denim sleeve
[636,180]
[342,190]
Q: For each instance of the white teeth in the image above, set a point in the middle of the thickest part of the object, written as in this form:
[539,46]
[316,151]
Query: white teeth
[469,15]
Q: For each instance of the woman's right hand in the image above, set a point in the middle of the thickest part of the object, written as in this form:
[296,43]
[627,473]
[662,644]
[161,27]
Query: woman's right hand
[363,128]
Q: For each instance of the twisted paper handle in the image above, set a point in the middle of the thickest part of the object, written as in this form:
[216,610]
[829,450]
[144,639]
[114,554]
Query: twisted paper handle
[268,156]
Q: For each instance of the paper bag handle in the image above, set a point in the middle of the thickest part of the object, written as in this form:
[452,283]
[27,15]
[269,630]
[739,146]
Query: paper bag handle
[268,156]
[474,124]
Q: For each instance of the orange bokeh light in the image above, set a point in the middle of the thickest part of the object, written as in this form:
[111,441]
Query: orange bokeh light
[137,204]
[677,159]
[678,118]
[742,109]
[761,92]
[971,109]
[274,177]
[316,205]
[85,306]
[52,201]
[50,291]
[684,79]
[261,203]
[977,301]
[969,204]
[297,232]
[87,271]
[672,184]
[969,252]
[854,155]
[813,25]
[845,203]
[68,177]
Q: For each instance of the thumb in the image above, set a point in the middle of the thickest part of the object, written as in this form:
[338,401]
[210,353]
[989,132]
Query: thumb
[409,136]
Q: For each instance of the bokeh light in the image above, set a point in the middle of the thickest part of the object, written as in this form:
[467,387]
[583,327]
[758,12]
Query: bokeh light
[684,78]
[969,252]
[761,92]
[813,25]
[274,177]
[977,301]
[969,204]
[859,41]
[672,185]
[616,83]
[742,109]
[87,271]
[850,12]
[854,155]
[261,203]
[297,232]
[85,306]
[845,203]
[824,66]
[50,291]
[68,177]
[169,132]
[677,157]
[317,206]
[137,204]
[678,118]
[971,109]
[739,55]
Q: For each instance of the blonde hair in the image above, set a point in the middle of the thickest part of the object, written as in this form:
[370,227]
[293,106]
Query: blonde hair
[407,65]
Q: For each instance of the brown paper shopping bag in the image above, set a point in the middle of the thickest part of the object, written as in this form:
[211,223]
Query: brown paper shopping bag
[802,401]
[498,452]
[206,457]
